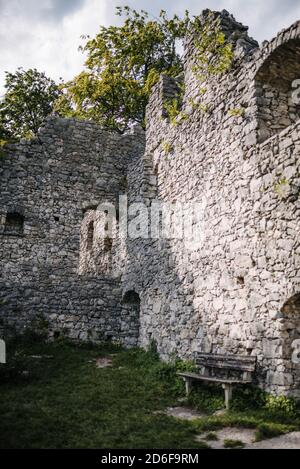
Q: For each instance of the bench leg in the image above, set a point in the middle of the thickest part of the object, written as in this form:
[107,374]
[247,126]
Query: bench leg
[188,386]
[228,394]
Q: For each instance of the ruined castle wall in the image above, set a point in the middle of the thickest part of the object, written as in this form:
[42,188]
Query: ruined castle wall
[225,296]
[54,184]
[235,154]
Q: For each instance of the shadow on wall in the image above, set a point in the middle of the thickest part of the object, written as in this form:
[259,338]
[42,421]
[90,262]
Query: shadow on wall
[291,337]
[130,319]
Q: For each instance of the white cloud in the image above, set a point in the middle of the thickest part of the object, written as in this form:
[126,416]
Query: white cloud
[264,18]
[50,46]
[45,34]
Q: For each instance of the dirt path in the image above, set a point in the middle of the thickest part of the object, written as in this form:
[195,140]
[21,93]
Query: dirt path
[244,435]
[289,441]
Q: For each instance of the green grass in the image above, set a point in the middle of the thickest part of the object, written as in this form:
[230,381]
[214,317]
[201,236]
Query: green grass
[64,401]
[266,425]
[233,444]
[211,436]
[266,430]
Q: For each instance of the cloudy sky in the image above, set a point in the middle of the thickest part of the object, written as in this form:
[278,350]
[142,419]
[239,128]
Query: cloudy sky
[45,34]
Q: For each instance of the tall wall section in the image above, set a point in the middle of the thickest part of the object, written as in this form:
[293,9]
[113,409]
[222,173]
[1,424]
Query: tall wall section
[50,190]
[237,155]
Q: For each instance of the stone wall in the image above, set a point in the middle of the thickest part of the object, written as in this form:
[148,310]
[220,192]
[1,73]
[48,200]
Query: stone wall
[55,184]
[276,109]
[236,154]
[227,295]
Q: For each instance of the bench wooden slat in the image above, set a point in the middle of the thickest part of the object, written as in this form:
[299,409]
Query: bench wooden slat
[234,362]
[225,366]
[195,376]
[241,358]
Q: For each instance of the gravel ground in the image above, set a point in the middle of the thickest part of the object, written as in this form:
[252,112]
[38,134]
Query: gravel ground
[245,435]
[289,441]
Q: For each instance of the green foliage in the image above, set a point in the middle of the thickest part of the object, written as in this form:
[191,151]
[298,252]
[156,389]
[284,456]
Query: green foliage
[167,374]
[167,147]
[122,66]
[233,444]
[182,366]
[124,62]
[199,105]
[152,350]
[267,430]
[173,110]
[247,397]
[204,108]
[28,100]
[266,425]
[211,436]
[4,134]
[237,112]
[2,152]
[208,398]
[214,55]
[213,423]
[281,404]
[282,187]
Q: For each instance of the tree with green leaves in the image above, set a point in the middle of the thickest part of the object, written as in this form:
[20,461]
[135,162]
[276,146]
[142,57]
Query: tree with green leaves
[124,62]
[4,134]
[122,65]
[29,99]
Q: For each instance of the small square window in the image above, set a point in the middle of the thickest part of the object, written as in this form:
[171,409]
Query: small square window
[14,224]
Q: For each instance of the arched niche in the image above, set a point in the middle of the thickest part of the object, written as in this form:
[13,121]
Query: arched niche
[275,90]
[290,314]
[131,298]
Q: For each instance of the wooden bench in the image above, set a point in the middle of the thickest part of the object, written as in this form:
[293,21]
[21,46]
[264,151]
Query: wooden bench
[210,365]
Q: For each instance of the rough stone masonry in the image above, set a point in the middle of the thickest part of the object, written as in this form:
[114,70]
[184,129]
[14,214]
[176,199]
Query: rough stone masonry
[239,292]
